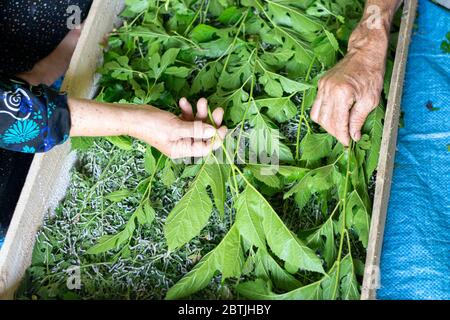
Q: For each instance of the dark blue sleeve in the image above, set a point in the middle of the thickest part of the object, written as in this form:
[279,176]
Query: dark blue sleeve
[32,118]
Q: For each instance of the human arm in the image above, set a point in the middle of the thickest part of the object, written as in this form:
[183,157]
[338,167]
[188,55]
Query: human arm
[37,118]
[351,90]
[177,137]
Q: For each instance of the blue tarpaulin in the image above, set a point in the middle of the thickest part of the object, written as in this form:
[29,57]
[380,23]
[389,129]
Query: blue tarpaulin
[415,260]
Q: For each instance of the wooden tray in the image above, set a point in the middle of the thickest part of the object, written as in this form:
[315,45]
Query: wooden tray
[43,178]
[39,189]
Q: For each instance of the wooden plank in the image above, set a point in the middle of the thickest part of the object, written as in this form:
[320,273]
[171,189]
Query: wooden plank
[371,281]
[15,256]
[81,76]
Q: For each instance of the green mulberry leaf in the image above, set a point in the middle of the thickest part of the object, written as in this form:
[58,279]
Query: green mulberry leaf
[266,176]
[279,238]
[349,284]
[268,269]
[373,127]
[192,212]
[203,33]
[328,247]
[227,257]
[316,180]
[316,146]
[261,290]
[357,216]
[289,16]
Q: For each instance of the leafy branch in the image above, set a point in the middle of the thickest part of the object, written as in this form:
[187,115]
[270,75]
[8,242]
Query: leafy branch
[260,60]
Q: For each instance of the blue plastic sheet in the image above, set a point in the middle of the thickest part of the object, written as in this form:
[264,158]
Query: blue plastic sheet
[415,262]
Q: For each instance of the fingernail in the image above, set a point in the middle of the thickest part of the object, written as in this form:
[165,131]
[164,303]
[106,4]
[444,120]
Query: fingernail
[183,101]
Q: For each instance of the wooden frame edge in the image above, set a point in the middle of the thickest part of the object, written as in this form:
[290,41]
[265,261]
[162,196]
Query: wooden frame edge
[371,281]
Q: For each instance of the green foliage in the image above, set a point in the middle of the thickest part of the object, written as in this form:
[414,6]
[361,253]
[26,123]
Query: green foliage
[260,60]
[316,146]
[374,128]
[259,224]
[141,268]
[81,143]
[144,214]
[124,143]
[227,258]
[191,214]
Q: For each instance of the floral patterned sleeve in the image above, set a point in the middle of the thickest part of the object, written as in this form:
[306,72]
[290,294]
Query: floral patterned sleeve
[32,118]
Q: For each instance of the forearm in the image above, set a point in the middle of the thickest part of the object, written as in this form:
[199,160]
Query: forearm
[379,14]
[187,135]
[94,119]
[371,36]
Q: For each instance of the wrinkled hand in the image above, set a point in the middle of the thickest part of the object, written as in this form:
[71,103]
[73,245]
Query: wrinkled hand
[178,137]
[351,90]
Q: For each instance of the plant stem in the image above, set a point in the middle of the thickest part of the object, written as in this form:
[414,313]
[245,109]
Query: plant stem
[188,28]
[343,227]
[302,113]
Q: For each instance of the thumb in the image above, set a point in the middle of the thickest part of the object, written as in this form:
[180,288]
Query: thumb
[358,116]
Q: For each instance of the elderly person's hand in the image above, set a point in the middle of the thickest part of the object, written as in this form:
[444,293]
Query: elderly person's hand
[189,135]
[352,89]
